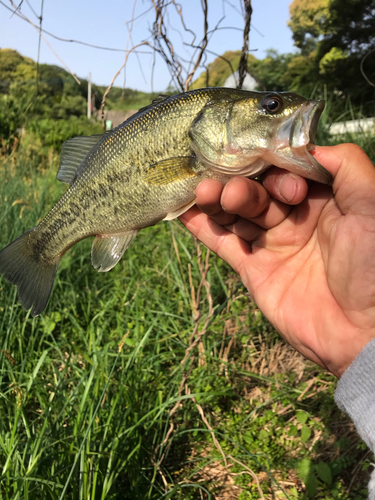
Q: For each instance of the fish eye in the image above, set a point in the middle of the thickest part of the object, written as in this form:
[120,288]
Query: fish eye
[272,104]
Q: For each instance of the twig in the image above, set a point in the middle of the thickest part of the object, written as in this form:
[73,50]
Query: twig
[357,470]
[18,8]
[127,42]
[116,75]
[214,439]
[251,472]
[216,55]
[178,8]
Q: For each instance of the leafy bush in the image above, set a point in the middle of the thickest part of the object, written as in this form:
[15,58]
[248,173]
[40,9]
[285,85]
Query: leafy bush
[53,133]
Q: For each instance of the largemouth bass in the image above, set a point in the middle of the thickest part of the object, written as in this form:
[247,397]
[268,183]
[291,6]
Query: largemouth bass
[147,169]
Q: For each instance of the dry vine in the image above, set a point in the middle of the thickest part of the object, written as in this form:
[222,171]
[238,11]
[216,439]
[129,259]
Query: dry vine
[363,71]
[242,68]
[160,34]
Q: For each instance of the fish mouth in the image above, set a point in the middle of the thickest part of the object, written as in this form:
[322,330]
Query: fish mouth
[294,141]
[300,129]
[305,125]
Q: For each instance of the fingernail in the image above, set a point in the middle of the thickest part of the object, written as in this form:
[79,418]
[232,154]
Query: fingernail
[287,188]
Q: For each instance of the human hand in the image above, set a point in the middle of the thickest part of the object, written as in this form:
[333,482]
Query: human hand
[305,253]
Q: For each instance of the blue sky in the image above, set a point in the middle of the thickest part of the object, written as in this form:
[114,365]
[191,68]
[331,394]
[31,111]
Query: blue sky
[106,24]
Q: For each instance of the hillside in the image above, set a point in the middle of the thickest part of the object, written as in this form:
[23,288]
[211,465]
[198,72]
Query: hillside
[50,103]
[219,70]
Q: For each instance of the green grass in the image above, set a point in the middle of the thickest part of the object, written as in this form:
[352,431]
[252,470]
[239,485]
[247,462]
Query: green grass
[89,390]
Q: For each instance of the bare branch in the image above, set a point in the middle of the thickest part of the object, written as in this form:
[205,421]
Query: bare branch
[220,57]
[242,67]
[203,47]
[39,44]
[130,29]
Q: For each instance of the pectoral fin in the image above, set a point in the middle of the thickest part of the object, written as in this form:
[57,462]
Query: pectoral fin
[107,250]
[180,211]
[170,170]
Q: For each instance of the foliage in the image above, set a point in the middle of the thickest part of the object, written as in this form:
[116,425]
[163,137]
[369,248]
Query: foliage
[346,24]
[338,34]
[53,133]
[14,68]
[51,102]
[307,19]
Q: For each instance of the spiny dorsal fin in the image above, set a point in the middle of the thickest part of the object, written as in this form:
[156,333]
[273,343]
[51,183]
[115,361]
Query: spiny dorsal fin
[157,100]
[170,170]
[160,98]
[107,250]
[73,153]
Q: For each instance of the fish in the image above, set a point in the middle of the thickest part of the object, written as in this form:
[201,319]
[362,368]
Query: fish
[147,170]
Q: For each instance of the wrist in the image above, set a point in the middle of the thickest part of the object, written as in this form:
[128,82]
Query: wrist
[348,352]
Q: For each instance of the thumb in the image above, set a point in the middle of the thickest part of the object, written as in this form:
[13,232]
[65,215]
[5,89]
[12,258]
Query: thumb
[354,177]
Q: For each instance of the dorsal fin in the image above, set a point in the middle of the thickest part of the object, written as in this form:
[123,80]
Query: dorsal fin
[73,152]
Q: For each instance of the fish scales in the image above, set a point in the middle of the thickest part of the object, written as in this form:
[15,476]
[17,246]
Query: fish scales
[148,168]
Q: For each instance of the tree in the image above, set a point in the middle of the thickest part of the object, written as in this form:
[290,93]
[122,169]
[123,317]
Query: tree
[14,67]
[336,35]
[307,20]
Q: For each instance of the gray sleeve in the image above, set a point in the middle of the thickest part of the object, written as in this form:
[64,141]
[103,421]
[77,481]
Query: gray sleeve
[355,395]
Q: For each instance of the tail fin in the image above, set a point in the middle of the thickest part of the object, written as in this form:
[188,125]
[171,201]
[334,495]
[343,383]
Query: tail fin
[33,275]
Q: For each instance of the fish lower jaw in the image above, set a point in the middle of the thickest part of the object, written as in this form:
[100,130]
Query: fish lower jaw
[246,167]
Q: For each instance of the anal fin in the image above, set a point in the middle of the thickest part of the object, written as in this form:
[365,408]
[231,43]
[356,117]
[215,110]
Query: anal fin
[107,250]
